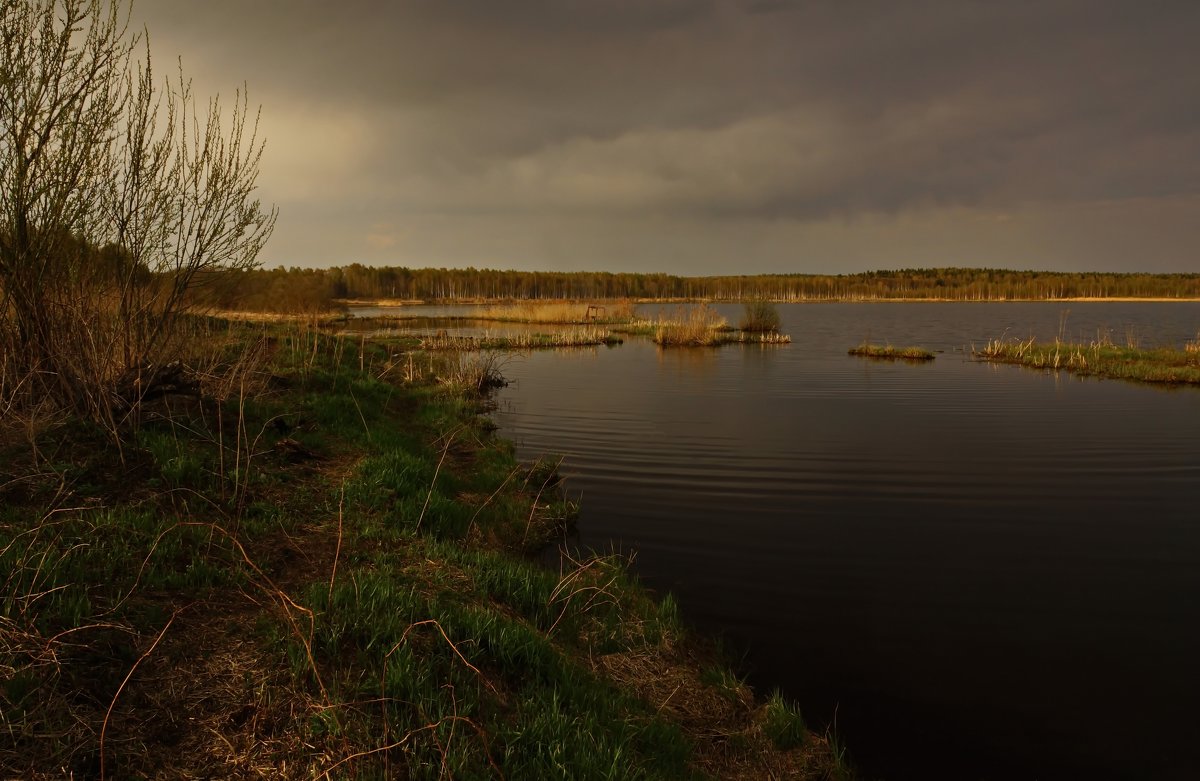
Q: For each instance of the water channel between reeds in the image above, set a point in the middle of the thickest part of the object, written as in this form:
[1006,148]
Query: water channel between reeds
[983,571]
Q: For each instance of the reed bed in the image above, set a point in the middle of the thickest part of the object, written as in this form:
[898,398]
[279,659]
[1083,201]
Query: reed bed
[1100,359]
[888,352]
[561,312]
[696,326]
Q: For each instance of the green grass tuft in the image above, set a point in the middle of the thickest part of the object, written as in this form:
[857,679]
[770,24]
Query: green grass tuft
[888,352]
[783,724]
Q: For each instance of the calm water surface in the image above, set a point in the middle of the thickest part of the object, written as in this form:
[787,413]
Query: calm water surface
[984,571]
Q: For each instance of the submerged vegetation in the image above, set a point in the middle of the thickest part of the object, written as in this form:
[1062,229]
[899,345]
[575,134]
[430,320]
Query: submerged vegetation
[1101,358]
[888,352]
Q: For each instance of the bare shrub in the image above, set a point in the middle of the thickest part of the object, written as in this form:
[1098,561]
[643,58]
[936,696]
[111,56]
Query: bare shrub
[118,196]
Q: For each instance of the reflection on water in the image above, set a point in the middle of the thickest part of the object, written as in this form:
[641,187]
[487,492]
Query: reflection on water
[989,572]
[696,363]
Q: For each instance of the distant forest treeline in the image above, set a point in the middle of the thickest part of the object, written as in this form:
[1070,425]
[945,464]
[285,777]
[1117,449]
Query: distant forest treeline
[301,290]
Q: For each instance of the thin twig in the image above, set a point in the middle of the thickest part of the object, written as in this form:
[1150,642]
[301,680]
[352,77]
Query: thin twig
[409,734]
[536,499]
[112,704]
[338,550]
[449,642]
[495,493]
[433,482]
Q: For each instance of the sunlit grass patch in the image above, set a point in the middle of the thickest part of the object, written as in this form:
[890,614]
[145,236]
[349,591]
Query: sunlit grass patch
[887,351]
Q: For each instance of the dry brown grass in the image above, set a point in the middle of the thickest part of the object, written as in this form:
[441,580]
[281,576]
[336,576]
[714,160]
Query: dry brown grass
[693,326]
[471,373]
[561,312]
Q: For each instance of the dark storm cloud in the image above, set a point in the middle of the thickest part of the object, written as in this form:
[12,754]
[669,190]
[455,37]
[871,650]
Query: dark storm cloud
[710,111]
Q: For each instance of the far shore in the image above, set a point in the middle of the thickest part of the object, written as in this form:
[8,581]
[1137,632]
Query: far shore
[259,316]
[395,302]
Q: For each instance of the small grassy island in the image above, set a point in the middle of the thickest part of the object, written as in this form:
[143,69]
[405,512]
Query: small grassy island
[888,352]
[1102,359]
[702,326]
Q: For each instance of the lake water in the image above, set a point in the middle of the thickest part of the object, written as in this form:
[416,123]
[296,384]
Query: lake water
[983,571]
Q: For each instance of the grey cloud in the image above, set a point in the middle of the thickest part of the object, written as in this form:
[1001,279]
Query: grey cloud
[709,110]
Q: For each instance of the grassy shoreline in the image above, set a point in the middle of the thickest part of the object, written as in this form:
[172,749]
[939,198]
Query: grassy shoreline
[322,568]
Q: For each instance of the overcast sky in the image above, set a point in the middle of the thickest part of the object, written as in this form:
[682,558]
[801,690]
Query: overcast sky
[714,136]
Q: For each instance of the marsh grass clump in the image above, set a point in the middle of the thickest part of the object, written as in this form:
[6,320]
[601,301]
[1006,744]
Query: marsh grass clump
[888,352]
[471,372]
[783,722]
[760,316]
[1100,358]
[694,326]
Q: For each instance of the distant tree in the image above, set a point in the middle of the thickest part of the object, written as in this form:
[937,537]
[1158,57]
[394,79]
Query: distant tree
[117,196]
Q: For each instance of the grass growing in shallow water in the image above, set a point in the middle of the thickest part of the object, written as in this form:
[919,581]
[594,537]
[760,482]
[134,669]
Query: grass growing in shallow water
[1101,359]
[892,353]
[699,326]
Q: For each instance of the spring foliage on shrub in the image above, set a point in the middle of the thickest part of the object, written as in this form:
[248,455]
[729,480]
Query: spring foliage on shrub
[760,315]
